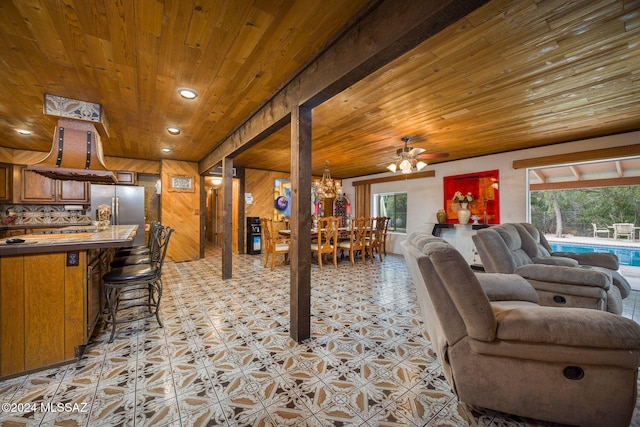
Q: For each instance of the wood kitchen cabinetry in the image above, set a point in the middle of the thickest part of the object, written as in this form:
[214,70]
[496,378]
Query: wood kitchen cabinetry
[126,177]
[31,187]
[48,308]
[6,182]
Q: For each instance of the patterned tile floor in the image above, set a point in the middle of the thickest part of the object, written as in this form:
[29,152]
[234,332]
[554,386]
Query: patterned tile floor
[225,358]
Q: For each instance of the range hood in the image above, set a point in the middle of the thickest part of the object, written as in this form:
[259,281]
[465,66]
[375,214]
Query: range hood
[76,155]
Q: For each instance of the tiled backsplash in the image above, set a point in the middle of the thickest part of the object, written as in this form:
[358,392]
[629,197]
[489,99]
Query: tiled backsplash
[44,214]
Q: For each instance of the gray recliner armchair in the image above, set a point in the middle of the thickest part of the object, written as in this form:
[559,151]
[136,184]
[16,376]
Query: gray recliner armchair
[543,254]
[573,366]
[506,248]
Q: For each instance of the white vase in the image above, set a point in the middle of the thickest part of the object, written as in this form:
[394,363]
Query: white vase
[463,213]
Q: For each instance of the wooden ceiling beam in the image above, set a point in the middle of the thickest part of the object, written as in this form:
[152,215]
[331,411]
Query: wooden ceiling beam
[588,183]
[578,157]
[388,31]
[574,170]
[539,175]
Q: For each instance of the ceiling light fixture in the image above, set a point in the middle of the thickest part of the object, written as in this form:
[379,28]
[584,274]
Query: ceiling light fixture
[173,130]
[216,181]
[166,150]
[327,187]
[409,158]
[23,131]
[187,93]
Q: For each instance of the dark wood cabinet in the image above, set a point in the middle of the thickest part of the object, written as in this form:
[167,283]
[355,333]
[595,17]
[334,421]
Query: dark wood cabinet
[6,182]
[73,192]
[126,177]
[31,187]
[94,291]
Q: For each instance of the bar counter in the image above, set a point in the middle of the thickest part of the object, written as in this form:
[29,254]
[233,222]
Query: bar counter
[70,238]
[50,294]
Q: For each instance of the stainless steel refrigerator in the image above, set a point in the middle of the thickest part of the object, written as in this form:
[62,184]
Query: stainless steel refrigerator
[127,205]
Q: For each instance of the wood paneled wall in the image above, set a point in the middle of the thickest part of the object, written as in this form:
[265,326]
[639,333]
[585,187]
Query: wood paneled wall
[260,184]
[181,210]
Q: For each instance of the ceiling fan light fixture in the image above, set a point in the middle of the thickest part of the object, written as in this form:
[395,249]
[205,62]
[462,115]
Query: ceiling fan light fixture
[409,158]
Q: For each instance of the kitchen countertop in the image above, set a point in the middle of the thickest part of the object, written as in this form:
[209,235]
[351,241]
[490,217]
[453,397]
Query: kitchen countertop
[14,226]
[69,239]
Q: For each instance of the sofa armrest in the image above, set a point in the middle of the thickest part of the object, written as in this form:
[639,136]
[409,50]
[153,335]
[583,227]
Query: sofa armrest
[576,327]
[507,287]
[566,275]
[555,260]
[596,259]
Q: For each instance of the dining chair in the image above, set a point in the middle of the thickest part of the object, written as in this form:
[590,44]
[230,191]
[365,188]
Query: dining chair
[356,240]
[327,240]
[274,244]
[387,220]
[375,237]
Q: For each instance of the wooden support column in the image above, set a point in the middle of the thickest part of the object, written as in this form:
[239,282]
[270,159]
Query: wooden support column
[300,246]
[227,220]
[203,216]
[242,223]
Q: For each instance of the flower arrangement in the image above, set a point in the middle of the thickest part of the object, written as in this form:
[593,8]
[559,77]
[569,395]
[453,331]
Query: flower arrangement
[460,198]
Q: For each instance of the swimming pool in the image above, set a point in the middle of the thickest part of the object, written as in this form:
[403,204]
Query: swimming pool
[626,255]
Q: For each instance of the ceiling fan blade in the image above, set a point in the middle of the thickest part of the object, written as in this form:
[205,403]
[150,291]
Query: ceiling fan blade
[416,151]
[434,155]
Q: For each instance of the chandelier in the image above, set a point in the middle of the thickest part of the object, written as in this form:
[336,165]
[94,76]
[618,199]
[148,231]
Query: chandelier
[327,187]
[407,161]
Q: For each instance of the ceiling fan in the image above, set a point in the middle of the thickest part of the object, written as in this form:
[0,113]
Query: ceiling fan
[410,159]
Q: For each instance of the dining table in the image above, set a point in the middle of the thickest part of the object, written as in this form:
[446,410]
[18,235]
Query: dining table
[343,232]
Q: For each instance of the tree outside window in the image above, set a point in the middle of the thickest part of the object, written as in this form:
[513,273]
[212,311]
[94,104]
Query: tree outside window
[394,206]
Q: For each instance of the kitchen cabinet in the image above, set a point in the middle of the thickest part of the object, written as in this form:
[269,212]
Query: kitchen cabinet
[98,265]
[31,187]
[51,297]
[126,177]
[6,182]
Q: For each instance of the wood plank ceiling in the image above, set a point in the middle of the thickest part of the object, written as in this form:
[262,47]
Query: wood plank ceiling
[511,75]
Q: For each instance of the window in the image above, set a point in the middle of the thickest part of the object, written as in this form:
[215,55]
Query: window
[393,205]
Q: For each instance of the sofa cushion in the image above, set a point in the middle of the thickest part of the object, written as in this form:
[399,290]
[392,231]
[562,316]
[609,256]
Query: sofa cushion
[566,275]
[507,287]
[555,260]
[567,326]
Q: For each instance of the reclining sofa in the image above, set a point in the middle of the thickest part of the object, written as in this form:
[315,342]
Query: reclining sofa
[565,365]
[543,254]
[510,248]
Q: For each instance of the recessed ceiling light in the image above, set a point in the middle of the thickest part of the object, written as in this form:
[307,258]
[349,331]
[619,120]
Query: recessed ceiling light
[173,130]
[23,131]
[185,92]
[166,150]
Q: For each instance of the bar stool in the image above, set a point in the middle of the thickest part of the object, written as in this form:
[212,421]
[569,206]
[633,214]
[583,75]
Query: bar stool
[122,258]
[140,249]
[137,286]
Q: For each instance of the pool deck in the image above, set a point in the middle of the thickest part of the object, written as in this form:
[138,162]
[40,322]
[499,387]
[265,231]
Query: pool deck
[631,273]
